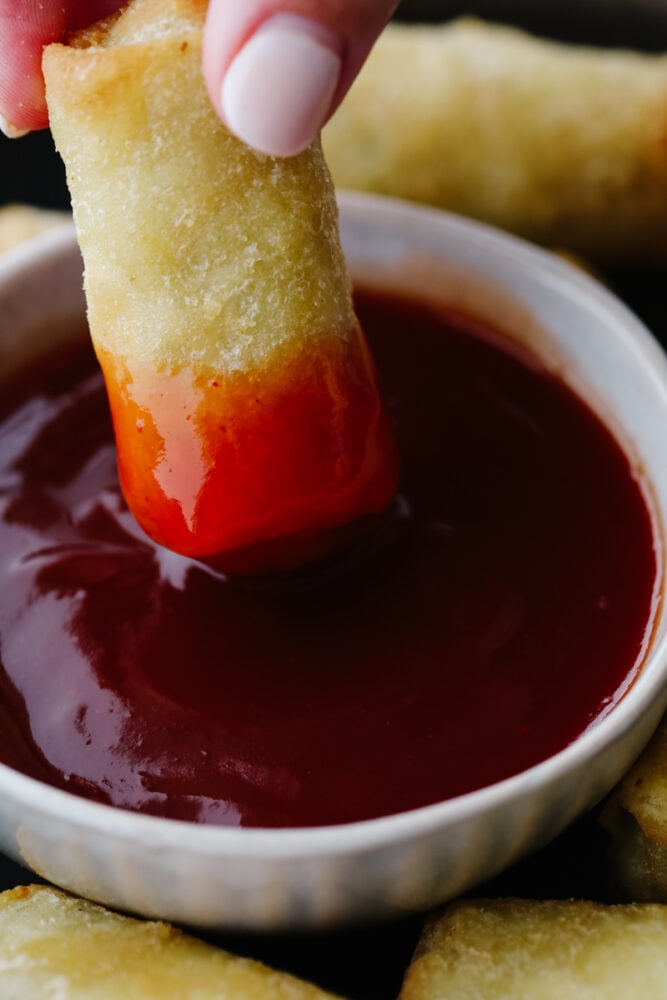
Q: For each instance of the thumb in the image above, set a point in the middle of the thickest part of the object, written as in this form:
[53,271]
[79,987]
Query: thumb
[26,26]
[277,69]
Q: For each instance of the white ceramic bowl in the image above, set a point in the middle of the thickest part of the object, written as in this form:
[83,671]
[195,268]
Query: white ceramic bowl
[240,878]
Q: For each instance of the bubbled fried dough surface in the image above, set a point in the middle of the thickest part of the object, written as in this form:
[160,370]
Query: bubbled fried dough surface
[643,791]
[54,946]
[209,266]
[239,257]
[531,950]
[20,223]
[562,144]
[141,21]
[635,816]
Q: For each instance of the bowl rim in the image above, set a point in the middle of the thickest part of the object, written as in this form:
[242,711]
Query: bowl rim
[255,843]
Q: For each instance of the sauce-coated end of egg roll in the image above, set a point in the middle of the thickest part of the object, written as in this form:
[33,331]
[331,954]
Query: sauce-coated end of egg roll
[254,471]
[249,427]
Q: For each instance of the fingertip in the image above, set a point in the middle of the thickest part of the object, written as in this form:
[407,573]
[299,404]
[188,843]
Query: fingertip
[277,92]
[22,107]
[24,30]
[11,131]
[228,26]
[277,69]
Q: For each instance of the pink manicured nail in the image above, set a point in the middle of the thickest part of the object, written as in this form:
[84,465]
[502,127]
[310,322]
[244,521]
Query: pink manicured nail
[10,130]
[278,90]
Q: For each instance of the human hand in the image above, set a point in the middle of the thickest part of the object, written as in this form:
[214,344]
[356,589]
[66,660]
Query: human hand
[25,28]
[275,69]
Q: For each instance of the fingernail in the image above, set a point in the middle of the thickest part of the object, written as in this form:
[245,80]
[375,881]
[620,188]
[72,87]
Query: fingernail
[11,131]
[278,90]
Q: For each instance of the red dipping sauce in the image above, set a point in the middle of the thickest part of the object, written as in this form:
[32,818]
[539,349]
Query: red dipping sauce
[503,608]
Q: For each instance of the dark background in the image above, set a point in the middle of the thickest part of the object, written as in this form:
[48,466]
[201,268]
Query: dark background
[31,171]
[368,963]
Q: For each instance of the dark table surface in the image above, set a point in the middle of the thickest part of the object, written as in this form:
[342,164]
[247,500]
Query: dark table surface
[368,963]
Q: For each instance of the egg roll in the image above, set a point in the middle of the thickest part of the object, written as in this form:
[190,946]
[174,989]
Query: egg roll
[249,427]
[20,223]
[563,145]
[53,945]
[635,816]
[540,950]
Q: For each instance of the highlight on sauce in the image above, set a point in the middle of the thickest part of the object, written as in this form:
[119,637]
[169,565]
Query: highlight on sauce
[499,609]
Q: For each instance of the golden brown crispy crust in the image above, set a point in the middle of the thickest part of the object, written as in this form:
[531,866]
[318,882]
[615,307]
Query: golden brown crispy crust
[248,422]
[563,145]
[139,20]
[643,791]
[532,950]
[54,946]
[636,817]
[239,254]
[19,223]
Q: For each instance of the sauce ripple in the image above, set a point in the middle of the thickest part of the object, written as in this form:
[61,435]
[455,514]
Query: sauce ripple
[504,608]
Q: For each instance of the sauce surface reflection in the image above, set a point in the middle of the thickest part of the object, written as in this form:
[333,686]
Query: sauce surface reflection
[503,609]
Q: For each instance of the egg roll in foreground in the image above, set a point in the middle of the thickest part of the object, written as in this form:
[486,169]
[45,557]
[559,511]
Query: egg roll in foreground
[56,947]
[636,817]
[563,145]
[532,950]
[248,422]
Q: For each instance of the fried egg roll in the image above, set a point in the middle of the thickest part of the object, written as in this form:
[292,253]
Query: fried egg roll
[248,422]
[535,950]
[636,817]
[560,144]
[53,945]
[21,223]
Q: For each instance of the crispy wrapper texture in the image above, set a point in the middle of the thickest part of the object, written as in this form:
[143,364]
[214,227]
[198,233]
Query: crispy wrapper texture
[56,947]
[532,950]
[20,223]
[243,396]
[636,816]
[560,144]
